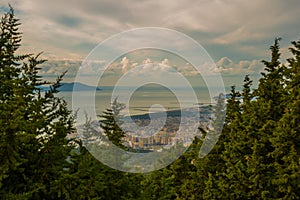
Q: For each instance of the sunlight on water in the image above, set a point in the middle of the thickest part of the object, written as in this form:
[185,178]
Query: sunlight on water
[141,101]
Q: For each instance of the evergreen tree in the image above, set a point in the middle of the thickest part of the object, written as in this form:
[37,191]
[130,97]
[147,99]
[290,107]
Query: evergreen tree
[219,185]
[111,122]
[249,128]
[90,179]
[286,181]
[267,111]
[233,109]
[271,91]
[33,125]
[256,157]
[177,181]
[246,94]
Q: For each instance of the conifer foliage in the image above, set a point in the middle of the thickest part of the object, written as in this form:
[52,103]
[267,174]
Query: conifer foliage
[33,124]
[111,122]
[257,155]
[261,155]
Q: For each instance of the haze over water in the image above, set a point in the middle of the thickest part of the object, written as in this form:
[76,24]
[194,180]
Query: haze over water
[142,99]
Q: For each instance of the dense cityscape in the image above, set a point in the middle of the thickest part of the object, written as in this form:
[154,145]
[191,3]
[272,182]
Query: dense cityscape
[169,135]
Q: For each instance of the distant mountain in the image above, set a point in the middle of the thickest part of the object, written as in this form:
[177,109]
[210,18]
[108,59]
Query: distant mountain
[75,86]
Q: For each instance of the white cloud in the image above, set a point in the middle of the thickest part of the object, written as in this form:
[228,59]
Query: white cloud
[165,62]
[56,68]
[224,62]
[229,67]
[147,61]
[124,63]
[157,70]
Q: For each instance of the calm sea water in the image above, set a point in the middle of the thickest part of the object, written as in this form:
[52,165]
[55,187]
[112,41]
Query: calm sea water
[140,101]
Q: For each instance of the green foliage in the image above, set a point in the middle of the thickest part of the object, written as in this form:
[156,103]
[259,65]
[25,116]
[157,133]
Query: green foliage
[261,154]
[256,157]
[286,138]
[33,125]
[180,180]
[111,122]
[90,179]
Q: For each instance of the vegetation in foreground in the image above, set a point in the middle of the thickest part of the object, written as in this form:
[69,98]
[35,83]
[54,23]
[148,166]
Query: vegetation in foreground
[257,156]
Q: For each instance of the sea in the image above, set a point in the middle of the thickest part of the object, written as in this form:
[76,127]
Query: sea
[140,101]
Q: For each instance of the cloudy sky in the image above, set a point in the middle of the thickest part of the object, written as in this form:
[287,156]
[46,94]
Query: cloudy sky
[236,33]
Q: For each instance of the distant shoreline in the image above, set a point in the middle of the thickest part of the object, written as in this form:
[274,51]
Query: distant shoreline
[172,113]
[73,87]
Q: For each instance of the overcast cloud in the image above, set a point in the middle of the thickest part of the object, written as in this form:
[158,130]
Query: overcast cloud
[240,31]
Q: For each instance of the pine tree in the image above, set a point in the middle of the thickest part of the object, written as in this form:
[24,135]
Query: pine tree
[220,185]
[90,179]
[33,125]
[247,94]
[249,128]
[267,111]
[111,123]
[177,181]
[271,91]
[233,109]
[286,181]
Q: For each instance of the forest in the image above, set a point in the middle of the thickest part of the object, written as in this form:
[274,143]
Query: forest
[257,155]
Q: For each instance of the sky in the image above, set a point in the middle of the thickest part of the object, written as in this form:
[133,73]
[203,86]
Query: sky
[235,33]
